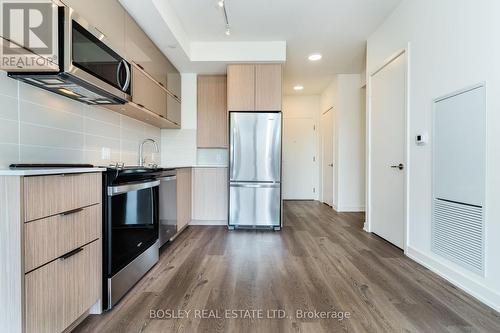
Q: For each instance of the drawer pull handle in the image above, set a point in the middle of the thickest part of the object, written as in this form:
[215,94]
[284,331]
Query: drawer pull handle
[73,211]
[71,253]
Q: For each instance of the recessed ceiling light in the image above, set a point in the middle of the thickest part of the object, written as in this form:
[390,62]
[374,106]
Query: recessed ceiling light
[315,57]
[298,88]
[221,3]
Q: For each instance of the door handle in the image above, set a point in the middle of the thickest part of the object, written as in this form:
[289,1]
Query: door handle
[400,166]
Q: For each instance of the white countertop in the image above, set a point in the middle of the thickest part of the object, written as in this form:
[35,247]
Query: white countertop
[47,171]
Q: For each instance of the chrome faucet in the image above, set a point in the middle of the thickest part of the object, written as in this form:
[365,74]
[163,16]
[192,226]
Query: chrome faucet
[142,159]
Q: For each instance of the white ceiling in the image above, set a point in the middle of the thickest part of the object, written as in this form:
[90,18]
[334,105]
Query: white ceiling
[338,29]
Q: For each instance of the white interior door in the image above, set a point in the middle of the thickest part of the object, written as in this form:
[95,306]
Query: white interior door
[298,153]
[388,151]
[328,154]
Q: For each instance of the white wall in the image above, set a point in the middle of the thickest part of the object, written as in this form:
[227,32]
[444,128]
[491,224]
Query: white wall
[329,96]
[179,145]
[39,126]
[345,96]
[351,145]
[453,45]
[307,108]
[328,100]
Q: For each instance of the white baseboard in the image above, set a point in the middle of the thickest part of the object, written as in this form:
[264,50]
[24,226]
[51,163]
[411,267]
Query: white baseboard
[365,227]
[208,222]
[474,288]
[351,209]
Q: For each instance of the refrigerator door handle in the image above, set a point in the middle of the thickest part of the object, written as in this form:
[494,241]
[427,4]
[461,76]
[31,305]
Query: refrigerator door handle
[247,185]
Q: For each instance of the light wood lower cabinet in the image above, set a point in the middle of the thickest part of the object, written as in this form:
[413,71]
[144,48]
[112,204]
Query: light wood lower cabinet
[210,194]
[184,199]
[49,238]
[48,195]
[58,293]
[50,250]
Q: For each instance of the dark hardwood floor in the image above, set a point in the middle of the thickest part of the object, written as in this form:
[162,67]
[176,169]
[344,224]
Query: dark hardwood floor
[321,261]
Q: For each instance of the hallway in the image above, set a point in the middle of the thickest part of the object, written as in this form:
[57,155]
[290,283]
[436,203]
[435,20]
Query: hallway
[321,261]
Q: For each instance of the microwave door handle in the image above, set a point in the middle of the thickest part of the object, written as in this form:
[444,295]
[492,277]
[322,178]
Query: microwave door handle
[127,70]
[118,71]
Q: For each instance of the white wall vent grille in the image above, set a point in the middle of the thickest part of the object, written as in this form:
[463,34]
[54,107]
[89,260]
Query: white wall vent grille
[459,178]
[458,234]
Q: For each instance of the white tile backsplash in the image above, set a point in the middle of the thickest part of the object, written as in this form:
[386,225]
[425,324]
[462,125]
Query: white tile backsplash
[9,131]
[44,116]
[50,137]
[40,154]
[7,87]
[178,147]
[212,156]
[39,126]
[8,109]
[8,153]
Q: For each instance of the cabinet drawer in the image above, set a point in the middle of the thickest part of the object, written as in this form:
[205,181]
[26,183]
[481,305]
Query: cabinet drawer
[49,238]
[60,292]
[49,195]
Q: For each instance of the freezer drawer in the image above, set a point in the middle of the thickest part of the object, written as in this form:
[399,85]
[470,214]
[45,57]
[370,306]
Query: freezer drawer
[254,204]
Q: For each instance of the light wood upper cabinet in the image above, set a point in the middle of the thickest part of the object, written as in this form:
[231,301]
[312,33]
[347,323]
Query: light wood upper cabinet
[184,185]
[173,109]
[142,51]
[268,87]
[148,93]
[241,87]
[254,87]
[212,112]
[108,16]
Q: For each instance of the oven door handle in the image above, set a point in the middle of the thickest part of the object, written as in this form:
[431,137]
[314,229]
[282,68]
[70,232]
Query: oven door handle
[168,178]
[120,189]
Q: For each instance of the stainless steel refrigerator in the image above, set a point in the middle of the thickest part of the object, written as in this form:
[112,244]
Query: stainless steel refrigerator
[255,170]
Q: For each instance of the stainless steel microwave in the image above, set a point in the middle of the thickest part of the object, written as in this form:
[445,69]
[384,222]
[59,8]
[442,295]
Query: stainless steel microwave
[90,71]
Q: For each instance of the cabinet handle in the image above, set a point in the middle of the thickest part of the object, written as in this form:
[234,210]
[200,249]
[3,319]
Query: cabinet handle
[71,253]
[140,105]
[73,211]
[140,66]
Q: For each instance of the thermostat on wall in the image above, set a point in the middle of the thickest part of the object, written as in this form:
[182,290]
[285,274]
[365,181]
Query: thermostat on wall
[421,139]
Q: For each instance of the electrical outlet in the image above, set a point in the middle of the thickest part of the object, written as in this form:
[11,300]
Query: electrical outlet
[105,153]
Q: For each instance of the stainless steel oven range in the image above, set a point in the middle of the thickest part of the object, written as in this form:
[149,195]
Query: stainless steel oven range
[130,228]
